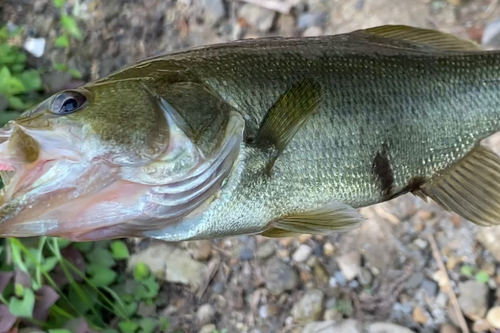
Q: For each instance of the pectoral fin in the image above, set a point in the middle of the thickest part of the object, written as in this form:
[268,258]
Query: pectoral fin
[335,217]
[433,38]
[470,188]
[286,117]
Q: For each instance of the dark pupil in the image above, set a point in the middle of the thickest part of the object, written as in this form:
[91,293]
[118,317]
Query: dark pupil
[69,105]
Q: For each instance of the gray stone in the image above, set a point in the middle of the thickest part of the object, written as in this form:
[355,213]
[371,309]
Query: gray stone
[488,237]
[365,277]
[340,279]
[430,287]
[415,280]
[302,253]
[214,11]
[205,314]
[155,257]
[343,326]
[280,276]
[491,35]
[473,299]
[350,264]
[182,268]
[246,253]
[258,17]
[310,307]
[312,19]
[210,328]
[266,250]
[387,328]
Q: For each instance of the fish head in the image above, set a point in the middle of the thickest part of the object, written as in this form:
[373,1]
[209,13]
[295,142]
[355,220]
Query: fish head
[82,164]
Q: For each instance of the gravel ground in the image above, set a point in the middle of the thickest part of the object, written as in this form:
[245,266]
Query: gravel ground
[383,277]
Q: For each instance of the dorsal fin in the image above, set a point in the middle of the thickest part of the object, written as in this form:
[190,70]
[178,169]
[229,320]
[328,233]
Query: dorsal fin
[433,38]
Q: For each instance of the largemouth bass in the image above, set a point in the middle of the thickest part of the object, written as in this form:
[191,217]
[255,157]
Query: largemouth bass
[273,136]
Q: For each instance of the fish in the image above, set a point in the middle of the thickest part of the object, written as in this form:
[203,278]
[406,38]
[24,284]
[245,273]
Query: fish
[276,136]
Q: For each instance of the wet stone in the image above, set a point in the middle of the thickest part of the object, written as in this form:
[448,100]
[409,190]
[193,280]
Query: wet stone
[430,287]
[280,276]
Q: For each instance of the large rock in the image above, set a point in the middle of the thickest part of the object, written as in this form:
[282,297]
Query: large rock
[473,299]
[489,238]
[310,307]
[280,276]
[182,268]
[155,256]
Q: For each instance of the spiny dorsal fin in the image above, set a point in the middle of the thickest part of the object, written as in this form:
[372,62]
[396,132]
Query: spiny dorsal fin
[334,217]
[287,115]
[470,188]
[436,39]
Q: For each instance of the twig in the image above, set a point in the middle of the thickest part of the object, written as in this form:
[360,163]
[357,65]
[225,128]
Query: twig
[277,6]
[454,301]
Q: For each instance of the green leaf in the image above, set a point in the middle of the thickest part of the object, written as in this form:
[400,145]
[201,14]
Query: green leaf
[17,68]
[467,270]
[482,277]
[23,307]
[69,24]
[128,326]
[31,80]
[100,256]
[16,103]
[4,81]
[101,275]
[62,41]
[75,73]
[62,242]
[110,330]
[83,247]
[61,67]
[148,324]
[5,117]
[119,250]
[59,330]
[141,271]
[49,264]
[164,323]
[15,86]
[18,289]
[59,3]
[131,308]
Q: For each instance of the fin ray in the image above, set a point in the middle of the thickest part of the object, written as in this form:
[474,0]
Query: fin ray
[433,38]
[470,188]
[334,217]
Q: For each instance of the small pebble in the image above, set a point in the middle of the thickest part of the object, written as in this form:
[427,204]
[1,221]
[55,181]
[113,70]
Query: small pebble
[442,300]
[420,243]
[340,279]
[309,307]
[353,284]
[202,250]
[313,32]
[210,328]
[481,326]
[246,253]
[350,264]
[332,282]
[328,249]
[419,315]
[320,273]
[493,317]
[365,276]
[430,287]
[332,314]
[447,328]
[302,253]
[265,250]
[304,238]
[311,261]
[205,314]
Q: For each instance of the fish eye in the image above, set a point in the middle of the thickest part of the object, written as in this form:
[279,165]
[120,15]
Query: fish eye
[68,102]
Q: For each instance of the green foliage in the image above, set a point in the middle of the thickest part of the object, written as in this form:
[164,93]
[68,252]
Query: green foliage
[19,87]
[467,270]
[482,277]
[77,280]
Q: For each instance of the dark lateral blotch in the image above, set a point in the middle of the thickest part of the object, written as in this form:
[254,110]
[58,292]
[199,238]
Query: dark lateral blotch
[382,170]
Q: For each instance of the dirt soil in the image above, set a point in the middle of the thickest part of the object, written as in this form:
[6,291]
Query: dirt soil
[384,273]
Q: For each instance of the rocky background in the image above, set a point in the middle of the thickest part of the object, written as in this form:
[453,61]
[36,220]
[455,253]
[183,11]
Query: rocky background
[412,267]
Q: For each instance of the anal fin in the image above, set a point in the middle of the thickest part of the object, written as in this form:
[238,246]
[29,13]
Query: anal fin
[334,217]
[470,188]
